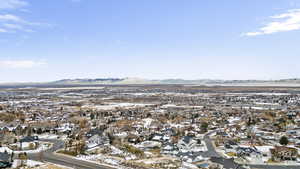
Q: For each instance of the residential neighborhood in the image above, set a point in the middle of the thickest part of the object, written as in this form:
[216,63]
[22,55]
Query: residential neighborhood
[149,126]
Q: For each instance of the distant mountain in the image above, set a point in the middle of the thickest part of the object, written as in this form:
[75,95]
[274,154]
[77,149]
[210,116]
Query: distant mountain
[183,81]
[294,81]
[88,81]
[120,81]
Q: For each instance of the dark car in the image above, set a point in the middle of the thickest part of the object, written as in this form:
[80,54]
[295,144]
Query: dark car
[5,164]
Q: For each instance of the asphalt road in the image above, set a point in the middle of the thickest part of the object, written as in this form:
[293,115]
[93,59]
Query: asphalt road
[49,156]
[211,152]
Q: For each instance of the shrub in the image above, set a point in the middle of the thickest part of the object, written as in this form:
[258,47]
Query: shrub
[71,153]
[32,146]
[133,150]
[283,140]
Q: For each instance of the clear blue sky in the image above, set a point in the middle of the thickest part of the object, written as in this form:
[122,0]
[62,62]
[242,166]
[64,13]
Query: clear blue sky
[44,40]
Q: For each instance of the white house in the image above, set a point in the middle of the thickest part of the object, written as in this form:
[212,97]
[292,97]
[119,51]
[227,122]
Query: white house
[190,144]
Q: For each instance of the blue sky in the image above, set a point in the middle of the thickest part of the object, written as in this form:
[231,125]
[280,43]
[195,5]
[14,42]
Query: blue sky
[45,40]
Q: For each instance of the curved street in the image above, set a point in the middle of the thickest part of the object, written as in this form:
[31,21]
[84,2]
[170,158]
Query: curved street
[50,156]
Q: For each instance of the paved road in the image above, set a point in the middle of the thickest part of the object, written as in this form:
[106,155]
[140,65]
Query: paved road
[49,156]
[211,152]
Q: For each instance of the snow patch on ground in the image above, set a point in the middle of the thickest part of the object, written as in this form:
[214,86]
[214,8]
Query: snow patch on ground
[99,159]
[42,147]
[48,136]
[147,122]
[111,106]
[28,163]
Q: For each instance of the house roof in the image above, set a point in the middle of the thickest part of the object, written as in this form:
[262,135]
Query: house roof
[170,146]
[4,157]
[93,132]
[29,139]
[187,139]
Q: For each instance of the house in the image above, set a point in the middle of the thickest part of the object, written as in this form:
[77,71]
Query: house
[26,143]
[291,114]
[157,137]
[169,132]
[222,133]
[247,151]
[93,132]
[64,128]
[190,144]
[29,139]
[229,144]
[191,157]
[169,149]
[280,153]
[97,140]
